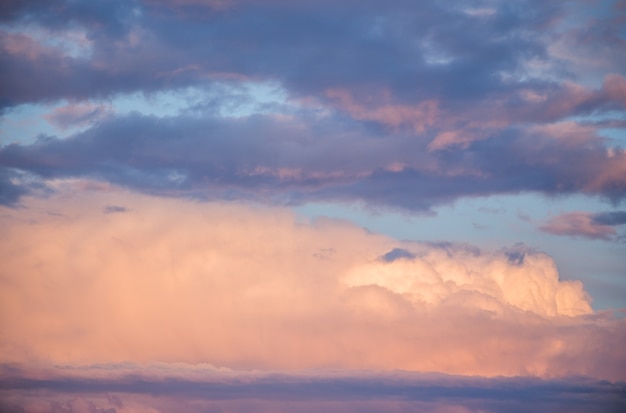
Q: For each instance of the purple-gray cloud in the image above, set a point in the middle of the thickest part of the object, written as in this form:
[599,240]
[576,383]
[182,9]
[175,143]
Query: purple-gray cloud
[114,209]
[192,389]
[292,161]
[357,46]
[421,105]
[610,218]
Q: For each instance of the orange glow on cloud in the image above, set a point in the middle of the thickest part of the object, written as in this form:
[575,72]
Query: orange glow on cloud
[109,277]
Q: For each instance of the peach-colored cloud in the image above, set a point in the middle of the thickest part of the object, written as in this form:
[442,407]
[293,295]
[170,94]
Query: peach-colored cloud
[244,287]
[489,282]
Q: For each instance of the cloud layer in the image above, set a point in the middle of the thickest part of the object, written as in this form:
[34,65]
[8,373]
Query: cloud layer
[194,389]
[386,103]
[249,287]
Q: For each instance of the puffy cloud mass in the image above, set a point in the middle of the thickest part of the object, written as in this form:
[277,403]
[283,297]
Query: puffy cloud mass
[252,287]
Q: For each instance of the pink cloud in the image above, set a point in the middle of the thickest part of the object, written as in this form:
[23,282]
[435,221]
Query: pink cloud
[380,109]
[458,137]
[241,287]
[570,134]
[578,224]
[78,114]
[614,88]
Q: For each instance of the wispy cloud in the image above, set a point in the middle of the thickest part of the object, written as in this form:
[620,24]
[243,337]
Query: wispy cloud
[78,115]
[585,224]
[113,209]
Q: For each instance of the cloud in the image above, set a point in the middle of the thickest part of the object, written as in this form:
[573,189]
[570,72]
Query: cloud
[252,287]
[77,115]
[307,158]
[11,190]
[127,241]
[191,389]
[397,254]
[586,224]
[610,218]
[113,209]
[418,117]
[383,102]
[15,183]
[435,280]
[343,47]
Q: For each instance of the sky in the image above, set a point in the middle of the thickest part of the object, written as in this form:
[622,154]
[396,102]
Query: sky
[222,206]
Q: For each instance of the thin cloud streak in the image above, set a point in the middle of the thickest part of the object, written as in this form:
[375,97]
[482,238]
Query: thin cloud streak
[585,224]
[161,387]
